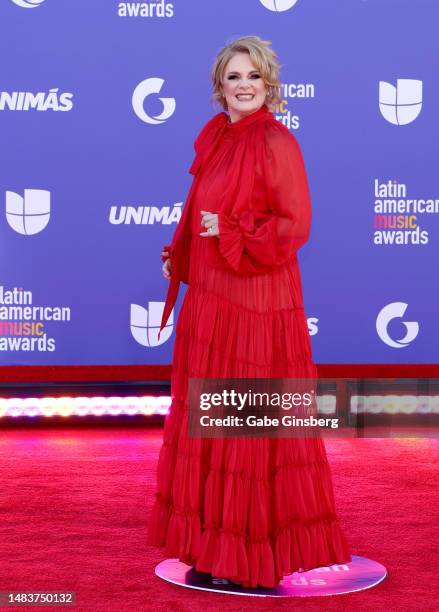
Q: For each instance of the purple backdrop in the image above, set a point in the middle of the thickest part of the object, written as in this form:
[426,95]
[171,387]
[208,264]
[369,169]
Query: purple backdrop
[100,102]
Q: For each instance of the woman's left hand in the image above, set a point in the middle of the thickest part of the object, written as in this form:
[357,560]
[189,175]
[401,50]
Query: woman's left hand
[210,222]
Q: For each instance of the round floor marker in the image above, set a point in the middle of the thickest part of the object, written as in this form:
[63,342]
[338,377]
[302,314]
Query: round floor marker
[361,573]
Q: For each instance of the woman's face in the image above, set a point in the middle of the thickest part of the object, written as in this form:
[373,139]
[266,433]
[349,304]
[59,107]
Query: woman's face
[243,87]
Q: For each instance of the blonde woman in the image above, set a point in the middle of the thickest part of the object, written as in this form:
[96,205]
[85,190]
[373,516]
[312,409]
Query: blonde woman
[251,510]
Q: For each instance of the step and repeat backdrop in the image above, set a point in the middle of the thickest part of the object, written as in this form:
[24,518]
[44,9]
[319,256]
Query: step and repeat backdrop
[100,103]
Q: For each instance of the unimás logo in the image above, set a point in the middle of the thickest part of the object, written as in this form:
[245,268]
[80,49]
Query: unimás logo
[278,6]
[389,313]
[28,3]
[41,101]
[400,105]
[145,324]
[147,88]
[145,215]
[29,214]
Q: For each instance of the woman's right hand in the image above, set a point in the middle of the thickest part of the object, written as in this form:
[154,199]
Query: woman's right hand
[166,265]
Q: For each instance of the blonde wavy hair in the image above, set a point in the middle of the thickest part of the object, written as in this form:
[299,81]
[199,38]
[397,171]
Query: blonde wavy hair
[264,59]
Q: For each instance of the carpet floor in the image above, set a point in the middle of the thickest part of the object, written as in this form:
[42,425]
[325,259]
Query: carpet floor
[74,505]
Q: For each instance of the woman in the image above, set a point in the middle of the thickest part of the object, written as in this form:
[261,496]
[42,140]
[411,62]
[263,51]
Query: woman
[251,509]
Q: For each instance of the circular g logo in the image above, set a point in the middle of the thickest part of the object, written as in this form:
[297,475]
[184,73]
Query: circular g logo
[392,311]
[142,91]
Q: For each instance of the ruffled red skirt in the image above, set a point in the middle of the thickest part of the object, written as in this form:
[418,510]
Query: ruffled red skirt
[251,510]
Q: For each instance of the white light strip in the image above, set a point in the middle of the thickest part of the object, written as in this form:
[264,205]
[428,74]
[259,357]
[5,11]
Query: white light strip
[84,406]
[395,404]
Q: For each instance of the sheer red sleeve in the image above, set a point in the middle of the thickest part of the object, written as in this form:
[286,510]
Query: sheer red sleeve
[252,242]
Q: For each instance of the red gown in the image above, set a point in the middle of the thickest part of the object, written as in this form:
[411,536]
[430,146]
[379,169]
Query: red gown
[250,509]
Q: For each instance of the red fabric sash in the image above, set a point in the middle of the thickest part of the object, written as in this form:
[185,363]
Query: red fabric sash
[204,146]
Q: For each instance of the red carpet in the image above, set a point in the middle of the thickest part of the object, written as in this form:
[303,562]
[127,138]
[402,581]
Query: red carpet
[74,504]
